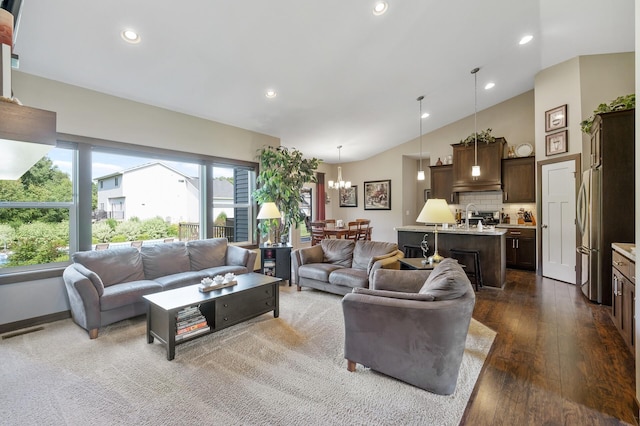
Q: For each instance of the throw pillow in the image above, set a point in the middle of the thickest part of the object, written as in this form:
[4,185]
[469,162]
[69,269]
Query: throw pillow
[447,281]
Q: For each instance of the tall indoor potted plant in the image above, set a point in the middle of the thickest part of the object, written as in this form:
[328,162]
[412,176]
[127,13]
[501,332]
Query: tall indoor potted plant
[283,173]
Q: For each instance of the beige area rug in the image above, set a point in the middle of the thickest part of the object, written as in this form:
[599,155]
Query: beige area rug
[268,371]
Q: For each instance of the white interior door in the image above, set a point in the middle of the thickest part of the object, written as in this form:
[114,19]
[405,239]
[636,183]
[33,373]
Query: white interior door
[558,227]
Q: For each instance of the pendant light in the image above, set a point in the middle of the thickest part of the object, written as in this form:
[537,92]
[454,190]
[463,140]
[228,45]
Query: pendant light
[421,170]
[339,183]
[475,170]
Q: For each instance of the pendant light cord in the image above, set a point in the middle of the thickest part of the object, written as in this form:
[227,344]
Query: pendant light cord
[420,98]
[475,109]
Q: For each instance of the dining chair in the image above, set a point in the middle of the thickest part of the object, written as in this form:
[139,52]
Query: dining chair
[330,223]
[317,232]
[352,230]
[364,229]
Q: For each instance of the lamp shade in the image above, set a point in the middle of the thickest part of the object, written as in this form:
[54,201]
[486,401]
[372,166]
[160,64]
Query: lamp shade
[435,210]
[269,211]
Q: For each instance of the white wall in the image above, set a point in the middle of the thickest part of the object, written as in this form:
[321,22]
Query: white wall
[88,113]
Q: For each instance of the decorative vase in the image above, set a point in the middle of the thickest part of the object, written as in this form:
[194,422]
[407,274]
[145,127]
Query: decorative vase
[439,162]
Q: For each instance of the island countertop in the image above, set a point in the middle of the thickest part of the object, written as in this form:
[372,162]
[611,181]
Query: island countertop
[462,230]
[491,245]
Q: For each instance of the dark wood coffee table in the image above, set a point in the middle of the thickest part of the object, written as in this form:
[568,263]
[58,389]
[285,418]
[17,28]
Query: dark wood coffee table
[255,294]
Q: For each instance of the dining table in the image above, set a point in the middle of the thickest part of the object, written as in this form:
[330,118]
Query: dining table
[336,232]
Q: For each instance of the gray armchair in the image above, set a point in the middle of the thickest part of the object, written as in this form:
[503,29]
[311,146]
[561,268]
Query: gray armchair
[409,329]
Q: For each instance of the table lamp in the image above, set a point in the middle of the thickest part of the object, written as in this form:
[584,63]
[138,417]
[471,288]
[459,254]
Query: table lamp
[269,211]
[435,211]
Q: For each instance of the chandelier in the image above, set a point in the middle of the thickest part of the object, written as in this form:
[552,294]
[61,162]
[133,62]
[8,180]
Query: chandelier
[339,183]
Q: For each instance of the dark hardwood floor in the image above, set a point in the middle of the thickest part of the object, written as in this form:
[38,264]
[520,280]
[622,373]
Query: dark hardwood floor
[557,358]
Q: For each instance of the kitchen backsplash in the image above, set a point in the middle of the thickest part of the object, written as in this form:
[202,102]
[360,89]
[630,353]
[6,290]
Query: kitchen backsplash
[492,201]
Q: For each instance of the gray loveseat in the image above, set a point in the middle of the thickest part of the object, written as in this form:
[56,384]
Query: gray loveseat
[106,286]
[340,265]
[411,325]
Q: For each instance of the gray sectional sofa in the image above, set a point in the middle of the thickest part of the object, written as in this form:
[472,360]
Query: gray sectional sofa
[107,286]
[340,265]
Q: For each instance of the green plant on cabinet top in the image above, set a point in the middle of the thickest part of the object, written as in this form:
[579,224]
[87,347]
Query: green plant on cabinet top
[620,103]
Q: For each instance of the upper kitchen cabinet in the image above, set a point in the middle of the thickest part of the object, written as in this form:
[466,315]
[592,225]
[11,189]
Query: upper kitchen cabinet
[442,183]
[518,180]
[489,160]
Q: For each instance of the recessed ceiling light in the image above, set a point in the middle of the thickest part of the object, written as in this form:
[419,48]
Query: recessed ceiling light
[380,8]
[271,94]
[526,39]
[425,115]
[489,85]
[130,36]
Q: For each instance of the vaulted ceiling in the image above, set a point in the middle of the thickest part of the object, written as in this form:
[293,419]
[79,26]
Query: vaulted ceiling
[342,75]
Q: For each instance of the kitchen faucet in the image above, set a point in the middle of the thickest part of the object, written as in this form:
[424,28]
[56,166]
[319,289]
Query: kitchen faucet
[466,213]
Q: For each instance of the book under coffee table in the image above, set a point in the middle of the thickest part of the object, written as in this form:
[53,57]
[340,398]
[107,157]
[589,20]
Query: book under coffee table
[183,314]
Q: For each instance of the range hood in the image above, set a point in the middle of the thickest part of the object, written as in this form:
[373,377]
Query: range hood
[26,134]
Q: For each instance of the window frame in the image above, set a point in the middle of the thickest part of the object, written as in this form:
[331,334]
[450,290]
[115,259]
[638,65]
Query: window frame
[80,214]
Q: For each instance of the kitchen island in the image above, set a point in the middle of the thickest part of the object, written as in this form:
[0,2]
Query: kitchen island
[490,244]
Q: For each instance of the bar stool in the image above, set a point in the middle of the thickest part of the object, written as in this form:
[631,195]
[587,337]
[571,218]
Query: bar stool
[471,259]
[411,250]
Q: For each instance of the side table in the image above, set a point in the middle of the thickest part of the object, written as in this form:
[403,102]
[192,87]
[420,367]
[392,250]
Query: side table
[275,261]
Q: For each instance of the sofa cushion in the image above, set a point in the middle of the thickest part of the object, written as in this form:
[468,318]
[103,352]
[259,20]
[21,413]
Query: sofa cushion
[207,253]
[394,294]
[164,259]
[181,279]
[365,250]
[349,277]
[313,254]
[118,295]
[112,266]
[447,281]
[338,251]
[318,271]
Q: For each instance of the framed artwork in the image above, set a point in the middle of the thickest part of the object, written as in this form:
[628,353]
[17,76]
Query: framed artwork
[556,143]
[349,196]
[377,195]
[555,118]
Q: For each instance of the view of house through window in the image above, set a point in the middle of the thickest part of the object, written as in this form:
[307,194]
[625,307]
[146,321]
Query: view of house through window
[141,200]
[136,201]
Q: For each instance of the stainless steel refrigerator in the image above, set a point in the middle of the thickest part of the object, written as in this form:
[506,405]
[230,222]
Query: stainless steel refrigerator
[606,200]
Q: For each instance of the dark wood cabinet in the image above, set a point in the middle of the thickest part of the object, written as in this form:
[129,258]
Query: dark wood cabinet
[623,297]
[489,160]
[518,180]
[442,183]
[520,250]
[276,262]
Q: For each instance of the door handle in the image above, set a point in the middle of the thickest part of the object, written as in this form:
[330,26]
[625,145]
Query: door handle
[544,226]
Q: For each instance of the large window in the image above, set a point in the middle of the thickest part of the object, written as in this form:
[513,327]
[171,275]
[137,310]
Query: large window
[123,197]
[36,213]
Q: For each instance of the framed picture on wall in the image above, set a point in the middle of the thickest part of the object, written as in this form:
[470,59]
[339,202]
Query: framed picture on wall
[555,118]
[348,196]
[377,195]
[556,143]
